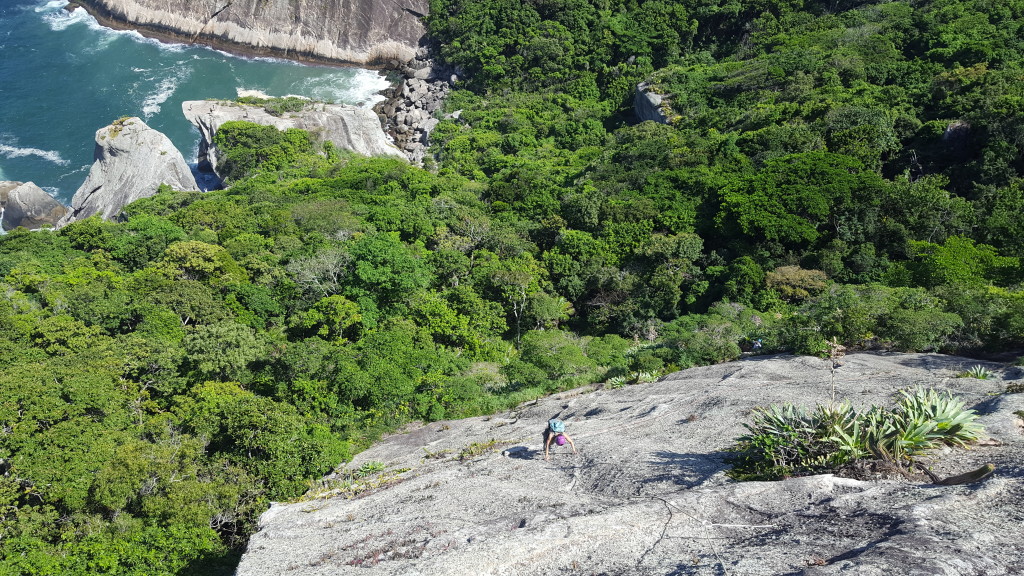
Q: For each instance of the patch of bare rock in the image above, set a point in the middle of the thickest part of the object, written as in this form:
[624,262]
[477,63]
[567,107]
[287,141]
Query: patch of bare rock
[648,494]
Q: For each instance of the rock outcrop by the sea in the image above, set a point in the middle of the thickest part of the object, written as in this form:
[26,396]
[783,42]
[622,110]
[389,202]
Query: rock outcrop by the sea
[132,160]
[363,32]
[29,206]
[347,127]
[649,105]
[648,495]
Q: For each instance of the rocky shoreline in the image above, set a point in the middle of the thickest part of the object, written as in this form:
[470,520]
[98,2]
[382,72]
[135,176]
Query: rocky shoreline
[408,113]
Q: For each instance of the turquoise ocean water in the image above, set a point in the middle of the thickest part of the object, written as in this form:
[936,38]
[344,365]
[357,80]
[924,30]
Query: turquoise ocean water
[62,77]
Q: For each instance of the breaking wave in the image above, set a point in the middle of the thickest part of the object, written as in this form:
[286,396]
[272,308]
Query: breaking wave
[59,19]
[164,90]
[8,151]
[361,87]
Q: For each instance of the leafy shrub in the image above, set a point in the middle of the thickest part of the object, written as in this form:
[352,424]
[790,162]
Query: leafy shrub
[794,283]
[276,106]
[786,440]
[246,147]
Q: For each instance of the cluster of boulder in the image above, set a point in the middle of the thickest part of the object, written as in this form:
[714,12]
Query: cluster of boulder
[408,113]
[131,162]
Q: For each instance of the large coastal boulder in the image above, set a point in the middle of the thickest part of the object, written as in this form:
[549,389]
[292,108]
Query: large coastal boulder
[131,161]
[27,205]
[364,32]
[347,127]
[648,494]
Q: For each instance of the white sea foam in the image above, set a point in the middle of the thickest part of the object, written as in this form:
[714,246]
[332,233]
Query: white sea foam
[84,168]
[165,46]
[59,20]
[357,86]
[51,6]
[248,93]
[164,90]
[8,151]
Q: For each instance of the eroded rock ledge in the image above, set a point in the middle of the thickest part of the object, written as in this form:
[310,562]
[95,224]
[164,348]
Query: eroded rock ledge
[361,32]
[347,127]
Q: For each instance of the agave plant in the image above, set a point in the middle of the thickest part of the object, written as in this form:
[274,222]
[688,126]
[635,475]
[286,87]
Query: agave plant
[843,427]
[617,381]
[977,371]
[785,439]
[953,424]
[907,436]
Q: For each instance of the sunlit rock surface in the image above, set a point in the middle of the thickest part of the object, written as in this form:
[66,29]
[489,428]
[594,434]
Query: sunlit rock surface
[131,161]
[647,493]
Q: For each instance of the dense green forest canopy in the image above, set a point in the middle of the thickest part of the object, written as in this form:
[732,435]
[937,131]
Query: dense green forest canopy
[844,173]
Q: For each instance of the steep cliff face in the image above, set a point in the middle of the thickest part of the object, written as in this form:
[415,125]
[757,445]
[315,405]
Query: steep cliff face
[131,161]
[362,32]
[347,127]
[647,493]
[28,205]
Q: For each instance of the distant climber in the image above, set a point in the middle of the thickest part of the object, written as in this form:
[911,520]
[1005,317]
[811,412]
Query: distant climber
[555,432]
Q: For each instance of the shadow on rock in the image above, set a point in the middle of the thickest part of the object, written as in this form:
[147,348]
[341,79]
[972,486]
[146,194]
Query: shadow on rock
[688,470]
[521,453]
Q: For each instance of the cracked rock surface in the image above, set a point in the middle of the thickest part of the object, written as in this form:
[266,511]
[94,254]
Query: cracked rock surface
[647,493]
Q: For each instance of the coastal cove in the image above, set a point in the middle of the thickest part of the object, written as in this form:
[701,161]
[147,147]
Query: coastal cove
[63,76]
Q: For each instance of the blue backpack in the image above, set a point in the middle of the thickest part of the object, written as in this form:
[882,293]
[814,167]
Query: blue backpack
[556,426]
